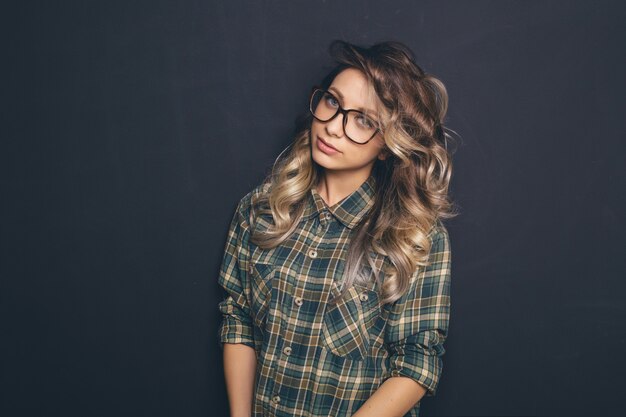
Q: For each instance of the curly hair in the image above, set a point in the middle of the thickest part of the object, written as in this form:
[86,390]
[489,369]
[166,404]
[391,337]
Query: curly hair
[411,184]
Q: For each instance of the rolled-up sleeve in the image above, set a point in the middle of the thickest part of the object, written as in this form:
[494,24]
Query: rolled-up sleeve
[236,325]
[418,322]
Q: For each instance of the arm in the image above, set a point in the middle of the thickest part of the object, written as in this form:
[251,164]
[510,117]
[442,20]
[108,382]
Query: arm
[416,330]
[236,333]
[239,372]
[395,397]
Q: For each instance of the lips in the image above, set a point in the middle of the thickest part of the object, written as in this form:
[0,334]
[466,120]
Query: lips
[327,144]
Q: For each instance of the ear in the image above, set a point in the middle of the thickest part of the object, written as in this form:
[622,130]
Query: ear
[383,154]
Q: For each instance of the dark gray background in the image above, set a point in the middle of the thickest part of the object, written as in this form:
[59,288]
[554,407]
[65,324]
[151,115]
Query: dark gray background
[131,130]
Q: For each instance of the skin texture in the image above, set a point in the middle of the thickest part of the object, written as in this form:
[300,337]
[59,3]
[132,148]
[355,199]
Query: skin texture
[239,373]
[345,171]
[394,398]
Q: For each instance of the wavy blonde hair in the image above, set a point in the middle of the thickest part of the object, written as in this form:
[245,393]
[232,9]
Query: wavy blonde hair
[411,183]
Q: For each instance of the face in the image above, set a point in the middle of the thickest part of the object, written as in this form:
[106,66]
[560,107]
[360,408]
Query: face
[353,91]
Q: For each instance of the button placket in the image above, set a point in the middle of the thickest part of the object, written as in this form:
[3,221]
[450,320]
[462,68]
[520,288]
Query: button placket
[324,220]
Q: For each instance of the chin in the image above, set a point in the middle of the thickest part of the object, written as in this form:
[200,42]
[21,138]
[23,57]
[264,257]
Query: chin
[315,158]
[318,158]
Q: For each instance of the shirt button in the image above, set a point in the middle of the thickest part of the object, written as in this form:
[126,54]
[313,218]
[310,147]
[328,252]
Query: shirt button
[276,399]
[251,268]
[298,301]
[363,297]
[287,350]
[313,253]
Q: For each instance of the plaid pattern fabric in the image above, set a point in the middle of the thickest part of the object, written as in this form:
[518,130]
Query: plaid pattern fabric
[314,359]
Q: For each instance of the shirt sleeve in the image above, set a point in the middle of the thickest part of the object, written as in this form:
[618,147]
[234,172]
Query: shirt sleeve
[418,322]
[236,325]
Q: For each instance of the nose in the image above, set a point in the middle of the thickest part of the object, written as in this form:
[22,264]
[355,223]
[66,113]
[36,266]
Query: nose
[334,127]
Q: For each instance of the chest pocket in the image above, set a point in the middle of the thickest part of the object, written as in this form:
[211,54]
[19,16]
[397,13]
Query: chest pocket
[347,324]
[261,280]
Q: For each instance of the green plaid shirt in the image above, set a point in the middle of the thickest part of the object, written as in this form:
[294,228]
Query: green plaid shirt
[314,359]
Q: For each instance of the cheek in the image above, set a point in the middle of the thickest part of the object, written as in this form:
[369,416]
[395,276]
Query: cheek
[374,147]
[315,124]
[363,153]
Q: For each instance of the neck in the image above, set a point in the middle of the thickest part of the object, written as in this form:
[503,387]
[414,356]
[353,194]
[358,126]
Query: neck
[334,186]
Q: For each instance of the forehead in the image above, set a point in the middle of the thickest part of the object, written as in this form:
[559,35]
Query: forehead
[356,90]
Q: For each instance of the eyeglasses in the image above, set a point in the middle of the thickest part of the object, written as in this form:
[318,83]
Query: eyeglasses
[357,126]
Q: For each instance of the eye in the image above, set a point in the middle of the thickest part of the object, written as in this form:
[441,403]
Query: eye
[365,121]
[331,100]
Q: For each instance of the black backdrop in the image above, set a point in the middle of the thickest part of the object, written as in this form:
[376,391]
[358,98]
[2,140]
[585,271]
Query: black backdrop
[131,130]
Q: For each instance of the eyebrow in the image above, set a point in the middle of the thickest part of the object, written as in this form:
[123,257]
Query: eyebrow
[368,111]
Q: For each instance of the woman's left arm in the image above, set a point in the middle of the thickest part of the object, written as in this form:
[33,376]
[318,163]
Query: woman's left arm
[395,397]
[416,329]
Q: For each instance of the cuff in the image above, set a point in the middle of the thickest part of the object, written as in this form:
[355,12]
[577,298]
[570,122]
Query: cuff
[417,357]
[235,327]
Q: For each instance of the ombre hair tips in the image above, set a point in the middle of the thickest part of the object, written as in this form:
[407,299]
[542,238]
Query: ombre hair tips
[412,183]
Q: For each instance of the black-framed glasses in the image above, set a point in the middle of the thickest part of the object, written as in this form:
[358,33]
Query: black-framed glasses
[357,126]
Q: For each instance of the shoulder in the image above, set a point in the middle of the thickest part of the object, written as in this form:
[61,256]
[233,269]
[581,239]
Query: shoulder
[251,198]
[439,237]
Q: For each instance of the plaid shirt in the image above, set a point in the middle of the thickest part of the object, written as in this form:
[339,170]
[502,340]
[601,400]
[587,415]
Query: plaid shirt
[314,359]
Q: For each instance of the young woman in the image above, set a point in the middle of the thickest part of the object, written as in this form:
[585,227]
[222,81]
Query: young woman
[337,266]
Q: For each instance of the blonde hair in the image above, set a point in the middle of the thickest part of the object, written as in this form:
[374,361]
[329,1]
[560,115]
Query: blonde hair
[411,183]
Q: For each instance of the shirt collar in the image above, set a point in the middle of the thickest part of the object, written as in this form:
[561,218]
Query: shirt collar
[348,211]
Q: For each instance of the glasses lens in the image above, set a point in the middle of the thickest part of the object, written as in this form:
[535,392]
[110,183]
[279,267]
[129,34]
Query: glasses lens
[359,127]
[323,105]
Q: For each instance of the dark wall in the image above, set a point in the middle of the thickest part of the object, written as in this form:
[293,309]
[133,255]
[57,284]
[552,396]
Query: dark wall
[131,131]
